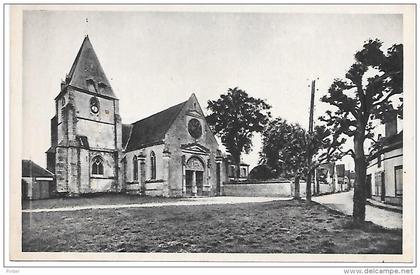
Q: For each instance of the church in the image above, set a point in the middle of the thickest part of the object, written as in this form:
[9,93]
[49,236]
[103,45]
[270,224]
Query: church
[172,153]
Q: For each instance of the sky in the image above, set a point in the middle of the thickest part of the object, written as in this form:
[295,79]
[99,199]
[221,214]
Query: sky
[155,60]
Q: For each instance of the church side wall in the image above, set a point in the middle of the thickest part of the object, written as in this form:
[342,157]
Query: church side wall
[158,150]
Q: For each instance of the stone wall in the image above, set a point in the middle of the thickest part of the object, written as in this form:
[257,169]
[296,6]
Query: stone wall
[260,189]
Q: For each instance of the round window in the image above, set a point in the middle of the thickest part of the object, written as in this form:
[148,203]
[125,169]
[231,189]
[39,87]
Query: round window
[194,128]
[94,105]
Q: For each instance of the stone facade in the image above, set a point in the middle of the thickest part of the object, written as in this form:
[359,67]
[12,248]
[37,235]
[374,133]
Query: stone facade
[172,153]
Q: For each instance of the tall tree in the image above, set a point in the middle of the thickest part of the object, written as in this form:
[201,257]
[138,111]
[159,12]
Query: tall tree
[235,118]
[283,150]
[286,148]
[367,94]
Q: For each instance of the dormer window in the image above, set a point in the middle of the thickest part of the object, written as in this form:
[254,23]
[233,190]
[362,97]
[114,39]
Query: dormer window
[94,105]
[102,87]
[91,85]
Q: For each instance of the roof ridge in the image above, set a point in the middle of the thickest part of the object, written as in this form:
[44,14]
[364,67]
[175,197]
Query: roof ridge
[76,60]
[153,128]
[175,116]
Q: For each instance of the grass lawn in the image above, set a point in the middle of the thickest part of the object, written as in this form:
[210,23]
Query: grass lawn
[95,199]
[271,227]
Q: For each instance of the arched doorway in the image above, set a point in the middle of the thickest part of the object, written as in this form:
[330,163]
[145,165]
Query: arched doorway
[194,177]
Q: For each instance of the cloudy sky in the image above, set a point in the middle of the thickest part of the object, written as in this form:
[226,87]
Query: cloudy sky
[157,59]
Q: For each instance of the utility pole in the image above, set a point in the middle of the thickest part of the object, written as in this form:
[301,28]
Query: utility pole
[311,110]
[310,154]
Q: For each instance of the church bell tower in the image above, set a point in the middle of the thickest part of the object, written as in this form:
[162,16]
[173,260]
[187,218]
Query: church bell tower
[86,146]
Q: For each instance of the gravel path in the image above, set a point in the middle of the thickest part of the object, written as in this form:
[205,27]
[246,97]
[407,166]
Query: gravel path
[343,202]
[185,201]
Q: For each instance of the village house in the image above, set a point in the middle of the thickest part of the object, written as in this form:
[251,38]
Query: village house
[384,176]
[37,182]
[171,153]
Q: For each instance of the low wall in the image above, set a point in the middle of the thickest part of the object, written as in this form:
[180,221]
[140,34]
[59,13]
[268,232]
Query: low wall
[325,188]
[258,189]
[154,188]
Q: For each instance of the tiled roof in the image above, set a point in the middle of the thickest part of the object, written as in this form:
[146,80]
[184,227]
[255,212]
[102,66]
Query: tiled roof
[151,130]
[86,67]
[31,169]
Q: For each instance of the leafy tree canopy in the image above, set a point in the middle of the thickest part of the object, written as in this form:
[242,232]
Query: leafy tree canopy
[288,148]
[235,117]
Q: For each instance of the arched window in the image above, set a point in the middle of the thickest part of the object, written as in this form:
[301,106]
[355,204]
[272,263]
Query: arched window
[97,166]
[135,169]
[152,165]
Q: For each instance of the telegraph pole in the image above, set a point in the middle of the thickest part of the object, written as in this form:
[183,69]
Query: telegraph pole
[311,110]
[310,154]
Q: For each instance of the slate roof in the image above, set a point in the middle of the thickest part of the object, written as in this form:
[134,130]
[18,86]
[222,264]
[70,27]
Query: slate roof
[394,140]
[31,169]
[86,67]
[151,130]
[389,144]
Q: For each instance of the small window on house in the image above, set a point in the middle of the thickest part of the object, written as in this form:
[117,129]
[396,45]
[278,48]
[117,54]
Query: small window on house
[243,172]
[63,101]
[232,171]
[153,165]
[135,169]
[97,166]
[91,85]
[101,87]
[398,170]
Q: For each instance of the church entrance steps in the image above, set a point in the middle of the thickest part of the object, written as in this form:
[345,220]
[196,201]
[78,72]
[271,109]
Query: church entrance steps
[180,202]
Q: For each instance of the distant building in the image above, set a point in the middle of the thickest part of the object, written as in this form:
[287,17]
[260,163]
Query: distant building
[384,176]
[331,178]
[325,178]
[232,169]
[37,182]
[350,176]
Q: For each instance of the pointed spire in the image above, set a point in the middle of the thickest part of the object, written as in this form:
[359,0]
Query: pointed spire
[86,72]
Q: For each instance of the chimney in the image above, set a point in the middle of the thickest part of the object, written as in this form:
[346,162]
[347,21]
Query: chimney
[391,125]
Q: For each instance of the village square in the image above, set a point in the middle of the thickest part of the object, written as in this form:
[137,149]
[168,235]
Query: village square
[180,179]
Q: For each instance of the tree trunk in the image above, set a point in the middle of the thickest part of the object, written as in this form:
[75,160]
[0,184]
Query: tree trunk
[359,198]
[237,162]
[308,187]
[297,187]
